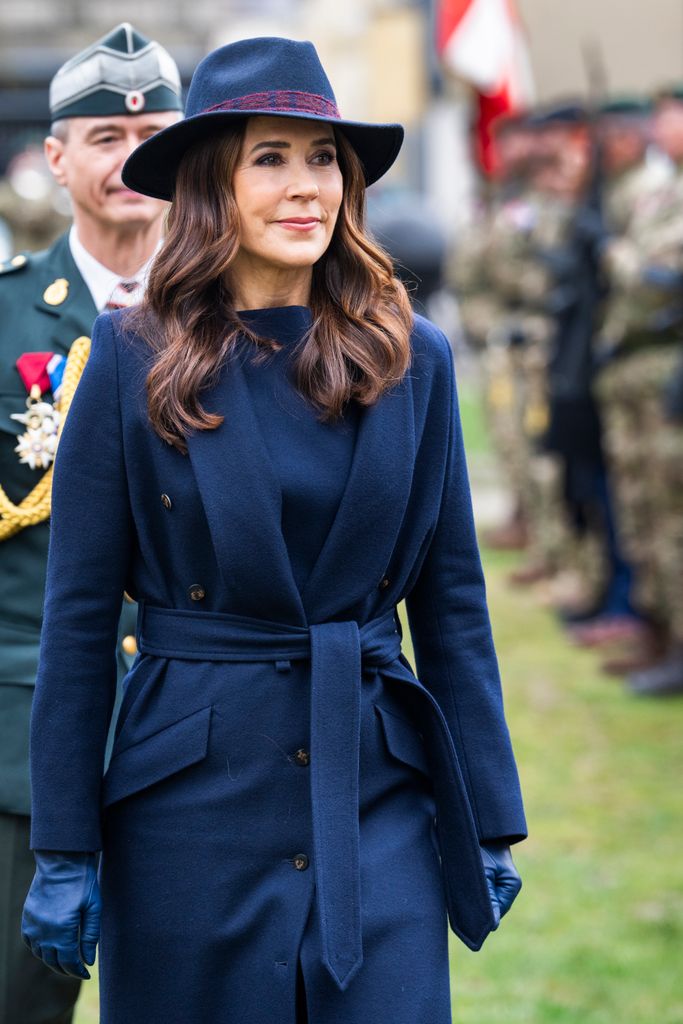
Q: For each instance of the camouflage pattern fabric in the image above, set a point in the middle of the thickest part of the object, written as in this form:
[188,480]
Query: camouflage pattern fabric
[645,458]
[642,323]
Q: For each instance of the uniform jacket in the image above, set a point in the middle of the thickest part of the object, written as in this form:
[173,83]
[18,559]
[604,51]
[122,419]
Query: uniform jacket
[200,535]
[29,324]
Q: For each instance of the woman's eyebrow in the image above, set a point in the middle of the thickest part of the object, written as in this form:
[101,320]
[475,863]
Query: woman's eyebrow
[280,144]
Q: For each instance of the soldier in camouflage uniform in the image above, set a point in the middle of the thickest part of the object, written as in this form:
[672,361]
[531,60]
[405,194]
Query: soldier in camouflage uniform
[503,275]
[632,178]
[639,345]
[484,314]
[531,275]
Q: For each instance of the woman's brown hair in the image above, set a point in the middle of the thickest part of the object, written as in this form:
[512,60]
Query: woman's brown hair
[358,345]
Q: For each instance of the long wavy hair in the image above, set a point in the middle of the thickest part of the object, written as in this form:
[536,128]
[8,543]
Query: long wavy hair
[357,347]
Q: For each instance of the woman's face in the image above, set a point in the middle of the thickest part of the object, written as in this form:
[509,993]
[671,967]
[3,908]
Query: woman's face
[288,188]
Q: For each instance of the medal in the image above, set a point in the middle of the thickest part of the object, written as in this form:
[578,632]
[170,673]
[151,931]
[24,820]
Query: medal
[40,371]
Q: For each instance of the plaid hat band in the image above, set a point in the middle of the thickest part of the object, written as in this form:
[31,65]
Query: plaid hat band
[281,101]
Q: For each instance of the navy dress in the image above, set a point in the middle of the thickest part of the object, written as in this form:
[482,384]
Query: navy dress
[246,806]
[311,459]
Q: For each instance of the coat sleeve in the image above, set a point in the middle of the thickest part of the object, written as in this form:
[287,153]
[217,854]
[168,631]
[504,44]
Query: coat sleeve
[451,633]
[90,540]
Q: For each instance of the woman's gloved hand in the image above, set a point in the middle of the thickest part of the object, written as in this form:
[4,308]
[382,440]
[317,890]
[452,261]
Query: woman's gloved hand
[502,877]
[61,920]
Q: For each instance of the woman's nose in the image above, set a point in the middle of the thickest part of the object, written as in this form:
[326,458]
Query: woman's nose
[303,185]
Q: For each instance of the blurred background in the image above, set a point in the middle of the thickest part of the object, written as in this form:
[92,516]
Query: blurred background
[536,213]
[381,56]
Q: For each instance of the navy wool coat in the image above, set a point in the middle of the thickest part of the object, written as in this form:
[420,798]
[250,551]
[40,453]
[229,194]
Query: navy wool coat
[286,795]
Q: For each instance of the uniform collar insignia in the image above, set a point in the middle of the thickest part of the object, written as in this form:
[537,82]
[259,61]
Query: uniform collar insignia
[56,293]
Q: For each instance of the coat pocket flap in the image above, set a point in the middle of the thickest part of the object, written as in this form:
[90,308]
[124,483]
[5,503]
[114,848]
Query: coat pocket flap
[156,757]
[403,740]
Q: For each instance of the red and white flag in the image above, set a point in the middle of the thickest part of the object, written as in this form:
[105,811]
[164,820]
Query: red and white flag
[484,43]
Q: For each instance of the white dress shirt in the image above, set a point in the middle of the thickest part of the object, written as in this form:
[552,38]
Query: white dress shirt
[102,281]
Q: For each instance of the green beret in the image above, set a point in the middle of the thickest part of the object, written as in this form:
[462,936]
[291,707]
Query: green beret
[626,106]
[122,73]
[560,113]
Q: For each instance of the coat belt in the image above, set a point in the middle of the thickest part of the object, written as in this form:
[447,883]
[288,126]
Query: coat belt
[337,652]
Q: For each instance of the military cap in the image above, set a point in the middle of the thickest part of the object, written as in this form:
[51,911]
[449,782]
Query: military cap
[561,113]
[122,73]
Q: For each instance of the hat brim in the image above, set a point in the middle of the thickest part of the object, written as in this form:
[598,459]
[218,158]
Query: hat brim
[152,168]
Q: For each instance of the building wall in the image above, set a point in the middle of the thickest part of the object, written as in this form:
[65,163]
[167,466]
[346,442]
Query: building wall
[641,42]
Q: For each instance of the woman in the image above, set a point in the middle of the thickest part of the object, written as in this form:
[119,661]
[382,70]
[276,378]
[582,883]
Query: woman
[267,456]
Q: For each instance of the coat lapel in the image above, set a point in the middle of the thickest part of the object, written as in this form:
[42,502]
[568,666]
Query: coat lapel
[242,499]
[243,503]
[363,535]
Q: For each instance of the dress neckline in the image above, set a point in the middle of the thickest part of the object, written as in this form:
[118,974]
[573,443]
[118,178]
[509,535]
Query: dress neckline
[286,324]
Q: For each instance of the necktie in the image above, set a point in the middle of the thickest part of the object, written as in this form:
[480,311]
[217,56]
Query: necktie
[126,293]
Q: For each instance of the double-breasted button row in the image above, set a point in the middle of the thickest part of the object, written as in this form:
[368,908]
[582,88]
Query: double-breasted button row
[196,591]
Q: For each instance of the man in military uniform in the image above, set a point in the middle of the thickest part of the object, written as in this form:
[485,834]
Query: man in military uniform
[527,266]
[104,102]
[640,345]
[483,311]
[633,176]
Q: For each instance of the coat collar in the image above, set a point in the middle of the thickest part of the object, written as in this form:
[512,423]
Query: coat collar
[242,499]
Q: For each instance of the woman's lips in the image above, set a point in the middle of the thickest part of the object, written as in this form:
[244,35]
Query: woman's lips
[299,223]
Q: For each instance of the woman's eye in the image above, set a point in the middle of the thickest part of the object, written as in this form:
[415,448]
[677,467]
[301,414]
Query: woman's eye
[269,160]
[325,157]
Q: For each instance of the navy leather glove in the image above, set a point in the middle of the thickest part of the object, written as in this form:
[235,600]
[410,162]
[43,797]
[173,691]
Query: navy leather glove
[502,877]
[61,921]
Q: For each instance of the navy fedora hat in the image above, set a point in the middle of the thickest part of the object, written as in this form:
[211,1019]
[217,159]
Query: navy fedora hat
[271,76]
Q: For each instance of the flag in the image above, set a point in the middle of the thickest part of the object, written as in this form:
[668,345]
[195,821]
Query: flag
[483,42]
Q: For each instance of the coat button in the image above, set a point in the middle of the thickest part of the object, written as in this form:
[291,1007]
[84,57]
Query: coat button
[166,501]
[384,584]
[197,592]
[302,757]
[129,645]
[300,861]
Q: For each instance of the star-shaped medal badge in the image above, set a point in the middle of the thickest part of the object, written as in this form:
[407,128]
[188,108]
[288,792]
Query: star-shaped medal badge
[38,445]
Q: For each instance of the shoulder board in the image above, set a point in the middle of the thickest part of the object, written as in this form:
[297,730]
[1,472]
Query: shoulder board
[14,265]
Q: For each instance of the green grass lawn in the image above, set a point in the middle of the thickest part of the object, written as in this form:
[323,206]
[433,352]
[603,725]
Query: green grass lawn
[597,933]
[596,936]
